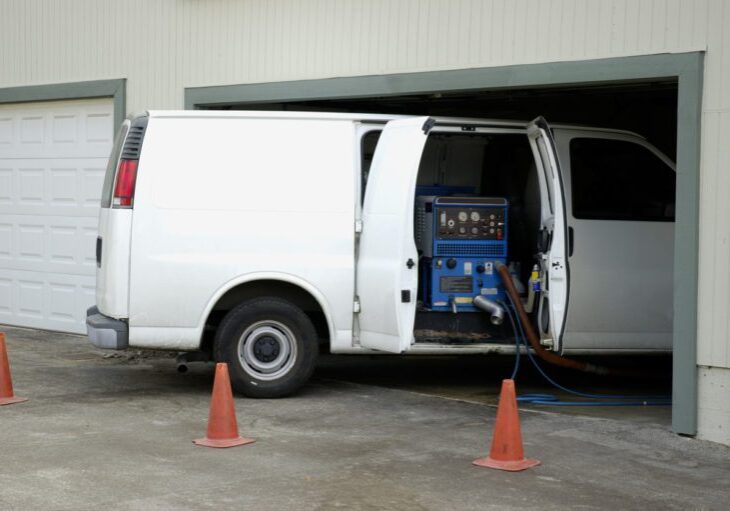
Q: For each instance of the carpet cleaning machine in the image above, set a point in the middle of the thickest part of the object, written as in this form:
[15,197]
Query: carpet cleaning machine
[461,239]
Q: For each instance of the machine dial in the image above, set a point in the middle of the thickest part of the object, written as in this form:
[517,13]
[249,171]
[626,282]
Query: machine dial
[463,216]
[475,216]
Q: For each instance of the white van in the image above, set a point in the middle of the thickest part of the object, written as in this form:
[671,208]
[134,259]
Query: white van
[258,236]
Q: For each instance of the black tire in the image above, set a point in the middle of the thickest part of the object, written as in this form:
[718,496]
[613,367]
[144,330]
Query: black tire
[258,333]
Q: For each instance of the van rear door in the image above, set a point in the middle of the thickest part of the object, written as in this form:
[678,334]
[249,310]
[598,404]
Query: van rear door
[553,240]
[387,265]
[115,221]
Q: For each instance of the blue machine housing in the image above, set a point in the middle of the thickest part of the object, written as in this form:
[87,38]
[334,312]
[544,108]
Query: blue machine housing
[468,236]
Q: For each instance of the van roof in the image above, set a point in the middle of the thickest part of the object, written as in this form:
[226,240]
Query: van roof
[373,118]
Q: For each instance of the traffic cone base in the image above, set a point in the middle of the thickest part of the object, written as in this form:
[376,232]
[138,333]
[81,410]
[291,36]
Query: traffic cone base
[12,400]
[221,444]
[222,424]
[506,452]
[509,466]
[7,397]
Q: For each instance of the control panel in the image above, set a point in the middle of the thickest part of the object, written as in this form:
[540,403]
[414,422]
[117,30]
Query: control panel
[460,239]
[471,223]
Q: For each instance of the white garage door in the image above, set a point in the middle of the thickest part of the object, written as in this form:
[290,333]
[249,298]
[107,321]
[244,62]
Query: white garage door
[52,160]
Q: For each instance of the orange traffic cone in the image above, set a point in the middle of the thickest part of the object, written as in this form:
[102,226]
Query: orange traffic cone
[222,424]
[6,382]
[506,452]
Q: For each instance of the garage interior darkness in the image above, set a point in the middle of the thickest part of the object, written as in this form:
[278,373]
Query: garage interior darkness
[648,108]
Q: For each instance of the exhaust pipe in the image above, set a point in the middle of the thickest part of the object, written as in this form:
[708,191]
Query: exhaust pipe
[495,311]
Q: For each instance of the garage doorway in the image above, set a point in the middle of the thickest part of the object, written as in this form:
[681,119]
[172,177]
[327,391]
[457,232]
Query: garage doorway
[605,93]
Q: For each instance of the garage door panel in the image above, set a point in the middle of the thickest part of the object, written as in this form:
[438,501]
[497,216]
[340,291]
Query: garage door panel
[6,290]
[6,185]
[47,300]
[56,129]
[48,243]
[52,161]
[68,186]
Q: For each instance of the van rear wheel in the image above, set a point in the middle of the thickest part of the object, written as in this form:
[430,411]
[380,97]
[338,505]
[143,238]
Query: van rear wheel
[270,346]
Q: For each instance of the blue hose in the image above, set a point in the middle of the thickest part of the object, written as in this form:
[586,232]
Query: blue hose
[551,400]
[516,367]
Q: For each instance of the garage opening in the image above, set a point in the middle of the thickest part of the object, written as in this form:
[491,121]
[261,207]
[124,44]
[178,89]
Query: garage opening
[645,106]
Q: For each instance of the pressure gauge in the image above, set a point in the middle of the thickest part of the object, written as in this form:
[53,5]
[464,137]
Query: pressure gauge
[463,216]
[475,216]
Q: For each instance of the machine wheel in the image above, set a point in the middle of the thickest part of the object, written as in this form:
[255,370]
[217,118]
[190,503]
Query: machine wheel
[270,346]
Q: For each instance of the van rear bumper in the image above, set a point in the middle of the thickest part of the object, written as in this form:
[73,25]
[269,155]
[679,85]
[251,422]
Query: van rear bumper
[105,332]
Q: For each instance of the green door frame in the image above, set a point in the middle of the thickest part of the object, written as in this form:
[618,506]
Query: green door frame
[115,89]
[686,68]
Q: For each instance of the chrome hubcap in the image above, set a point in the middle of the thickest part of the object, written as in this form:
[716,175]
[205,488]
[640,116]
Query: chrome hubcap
[267,350]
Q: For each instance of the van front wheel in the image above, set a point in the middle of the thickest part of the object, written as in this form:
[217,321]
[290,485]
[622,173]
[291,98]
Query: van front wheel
[270,346]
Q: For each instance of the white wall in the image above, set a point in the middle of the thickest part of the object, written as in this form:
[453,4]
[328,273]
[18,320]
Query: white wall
[166,45]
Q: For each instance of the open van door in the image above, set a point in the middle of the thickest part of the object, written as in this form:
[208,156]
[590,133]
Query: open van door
[553,239]
[387,265]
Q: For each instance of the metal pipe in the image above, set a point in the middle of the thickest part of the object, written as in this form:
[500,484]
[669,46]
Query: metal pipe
[495,311]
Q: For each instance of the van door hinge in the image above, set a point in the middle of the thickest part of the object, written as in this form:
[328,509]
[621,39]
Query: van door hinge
[356,306]
[358,225]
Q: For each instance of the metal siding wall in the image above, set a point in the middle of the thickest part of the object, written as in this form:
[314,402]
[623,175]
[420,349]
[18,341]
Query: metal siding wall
[163,46]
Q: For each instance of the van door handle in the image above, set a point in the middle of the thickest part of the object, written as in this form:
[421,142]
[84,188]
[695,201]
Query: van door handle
[410,263]
[98,251]
[571,236]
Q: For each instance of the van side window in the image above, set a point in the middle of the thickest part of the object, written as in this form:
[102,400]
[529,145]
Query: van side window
[620,180]
[368,143]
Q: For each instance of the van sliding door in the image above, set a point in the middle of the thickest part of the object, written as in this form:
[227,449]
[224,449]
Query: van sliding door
[553,242]
[387,265]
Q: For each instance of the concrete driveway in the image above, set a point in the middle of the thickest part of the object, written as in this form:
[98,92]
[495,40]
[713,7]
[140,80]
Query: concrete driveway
[115,433]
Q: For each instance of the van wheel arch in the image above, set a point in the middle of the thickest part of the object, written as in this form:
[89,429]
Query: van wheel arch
[246,291]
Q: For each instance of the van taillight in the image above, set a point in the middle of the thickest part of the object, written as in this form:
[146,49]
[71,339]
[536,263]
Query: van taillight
[126,179]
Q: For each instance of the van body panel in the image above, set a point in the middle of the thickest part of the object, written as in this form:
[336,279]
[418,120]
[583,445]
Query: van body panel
[621,272]
[112,276]
[113,242]
[265,195]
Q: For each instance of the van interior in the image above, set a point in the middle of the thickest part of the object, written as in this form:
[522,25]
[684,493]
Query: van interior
[463,165]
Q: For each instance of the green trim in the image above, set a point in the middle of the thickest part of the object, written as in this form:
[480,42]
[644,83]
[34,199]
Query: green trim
[686,247]
[115,89]
[639,68]
[687,68]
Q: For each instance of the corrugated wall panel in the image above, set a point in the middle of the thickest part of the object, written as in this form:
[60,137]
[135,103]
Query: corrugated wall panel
[164,46]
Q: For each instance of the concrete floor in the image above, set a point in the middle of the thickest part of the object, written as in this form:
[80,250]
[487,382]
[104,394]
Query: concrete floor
[116,433]
[478,379]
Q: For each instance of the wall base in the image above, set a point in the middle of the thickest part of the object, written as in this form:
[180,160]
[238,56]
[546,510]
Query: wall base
[713,420]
